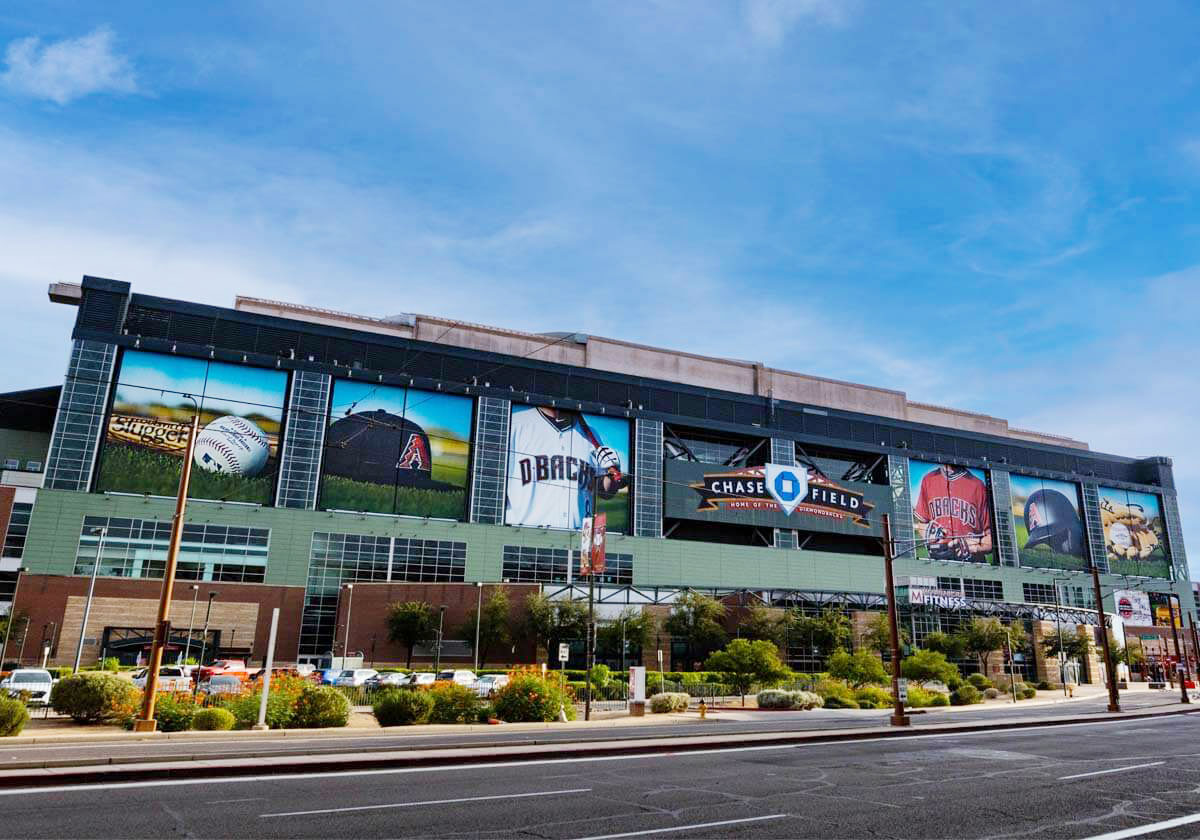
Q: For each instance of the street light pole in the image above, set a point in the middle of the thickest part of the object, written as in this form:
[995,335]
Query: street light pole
[1182,667]
[87,607]
[1114,699]
[349,606]
[1062,659]
[187,647]
[898,716]
[204,640]
[437,660]
[162,628]
[478,619]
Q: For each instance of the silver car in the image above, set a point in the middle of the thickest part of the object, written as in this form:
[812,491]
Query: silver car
[35,682]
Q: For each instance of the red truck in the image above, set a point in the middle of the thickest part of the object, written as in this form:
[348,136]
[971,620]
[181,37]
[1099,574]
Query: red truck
[221,667]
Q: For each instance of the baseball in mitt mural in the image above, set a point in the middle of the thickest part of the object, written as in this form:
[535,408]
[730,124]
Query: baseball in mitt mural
[1134,534]
[241,417]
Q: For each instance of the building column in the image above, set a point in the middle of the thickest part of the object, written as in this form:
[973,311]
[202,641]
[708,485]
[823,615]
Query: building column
[783,452]
[303,440]
[1005,536]
[489,460]
[79,423]
[647,478]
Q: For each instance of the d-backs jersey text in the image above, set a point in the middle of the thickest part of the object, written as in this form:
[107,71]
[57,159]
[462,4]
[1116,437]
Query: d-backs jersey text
[956,501]
[549,471]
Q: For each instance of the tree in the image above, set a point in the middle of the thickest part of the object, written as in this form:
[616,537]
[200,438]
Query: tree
[1131,654]
[981,636]
[878,635]
[824,633]
[547,621]
[410,623]
[494,629]
[952,647]
[758,622]
[745,662]
[696,619]
[633,626]
[858,669]
[927,666]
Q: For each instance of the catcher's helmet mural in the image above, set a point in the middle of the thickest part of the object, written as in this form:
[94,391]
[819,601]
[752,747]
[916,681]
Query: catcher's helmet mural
[1053,521]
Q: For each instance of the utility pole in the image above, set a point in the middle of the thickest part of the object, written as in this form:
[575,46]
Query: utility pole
[1062,657]
[898,716]
[437,662]
[349,605]
[1114,699]
[1181,667]
[87,607]
[203,641]
[162,628]
[187,646]
[478,619]
[585,555]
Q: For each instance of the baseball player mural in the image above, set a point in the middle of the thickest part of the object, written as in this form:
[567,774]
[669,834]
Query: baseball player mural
[241,418]
[553,455]
[952,512]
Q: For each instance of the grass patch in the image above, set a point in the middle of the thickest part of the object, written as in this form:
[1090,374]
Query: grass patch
[132,469]
[1042,556]
[340,493]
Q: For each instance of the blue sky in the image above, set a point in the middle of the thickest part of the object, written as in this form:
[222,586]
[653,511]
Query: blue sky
[994,209]
[144,377]
[440,413]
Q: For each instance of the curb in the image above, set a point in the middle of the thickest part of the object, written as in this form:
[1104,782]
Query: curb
[207,767]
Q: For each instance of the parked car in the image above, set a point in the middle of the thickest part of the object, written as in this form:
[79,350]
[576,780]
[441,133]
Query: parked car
[306,669]
[393,678]
[461,677]
[491,683]
[222,666]
[423,678]
[36,682]
[223,684]
[170,678]
[355,677]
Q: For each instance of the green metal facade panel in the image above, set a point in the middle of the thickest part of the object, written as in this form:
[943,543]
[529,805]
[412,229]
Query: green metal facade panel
[24,446]
[58,516]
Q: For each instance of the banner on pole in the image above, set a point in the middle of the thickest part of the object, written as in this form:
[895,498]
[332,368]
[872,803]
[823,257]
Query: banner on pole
[591,545]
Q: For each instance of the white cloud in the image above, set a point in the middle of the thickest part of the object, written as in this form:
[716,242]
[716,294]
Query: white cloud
[769,21]
[66,70]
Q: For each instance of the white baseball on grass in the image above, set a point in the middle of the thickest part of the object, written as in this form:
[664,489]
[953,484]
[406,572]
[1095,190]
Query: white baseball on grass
[232,445]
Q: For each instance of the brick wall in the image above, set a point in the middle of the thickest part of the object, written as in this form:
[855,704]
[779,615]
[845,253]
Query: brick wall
[241,611]
[7,494]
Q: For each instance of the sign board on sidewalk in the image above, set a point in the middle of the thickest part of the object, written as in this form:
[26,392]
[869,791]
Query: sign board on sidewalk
[903,690]
[637,682]
[564,652]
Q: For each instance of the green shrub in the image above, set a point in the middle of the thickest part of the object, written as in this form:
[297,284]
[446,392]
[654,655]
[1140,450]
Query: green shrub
[920,698]
[320,706]
[939,699]
[244,708]
[110,663]
[89,698]
[62,671]
[402,707]
[967,695]
[485,712]
[1028,693]
[453,703]
[873,697]
[991,693]
[953,683]
[807,700]
[857,669]
[670,701]
[528,698]
[833,688]
[979,681]
[925,666]
[215,719]
[601,675]
[836,702]
[174,712]
[13,716]
[773,698]
[1044,686]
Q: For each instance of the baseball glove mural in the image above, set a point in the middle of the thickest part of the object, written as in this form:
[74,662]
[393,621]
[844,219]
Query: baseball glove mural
[241,417]
[1134,536]
[952,512]
[1048,522]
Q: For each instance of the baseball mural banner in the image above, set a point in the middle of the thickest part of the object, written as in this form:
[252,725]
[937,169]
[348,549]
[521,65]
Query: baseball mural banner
[1047,516]
[241,419]
[392,449]
[952,512]
[1133,606]
[554,457]
[1135,538]
[592,545]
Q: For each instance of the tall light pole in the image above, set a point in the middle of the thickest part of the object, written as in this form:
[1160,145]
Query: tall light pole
[898,716]
[478,619]
[162,628]
[1114,699]
[87,607]
[1181,667]
[1062,657]
[48,643]
[349,587]
[187,647]
[204,640]
[12,618]
[437,661]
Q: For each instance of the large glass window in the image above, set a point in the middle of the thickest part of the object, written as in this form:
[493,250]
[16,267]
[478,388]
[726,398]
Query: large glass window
[526,564]
[137,548]
[18,530]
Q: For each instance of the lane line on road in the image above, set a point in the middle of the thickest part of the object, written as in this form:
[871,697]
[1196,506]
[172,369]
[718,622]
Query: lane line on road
[668,751]
[1147,829]
[426,802]
[1113,770]
[682,827]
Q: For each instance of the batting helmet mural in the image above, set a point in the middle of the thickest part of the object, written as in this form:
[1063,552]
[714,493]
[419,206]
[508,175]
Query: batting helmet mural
[1052,520]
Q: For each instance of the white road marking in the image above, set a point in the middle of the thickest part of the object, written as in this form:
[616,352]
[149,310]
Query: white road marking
[1147,829]
[223,801]
[1113,770]
[426,802]
[492,765]
[683,827]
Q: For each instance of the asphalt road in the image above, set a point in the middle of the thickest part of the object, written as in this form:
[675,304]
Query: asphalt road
[376,740]
[1068,781]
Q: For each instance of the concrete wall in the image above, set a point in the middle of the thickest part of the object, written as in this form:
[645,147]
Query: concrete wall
[24,446]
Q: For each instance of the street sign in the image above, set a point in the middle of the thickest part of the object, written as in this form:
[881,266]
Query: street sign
[902,688]
[564,652]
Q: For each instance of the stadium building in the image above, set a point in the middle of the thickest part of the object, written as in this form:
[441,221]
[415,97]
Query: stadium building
[420,458]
